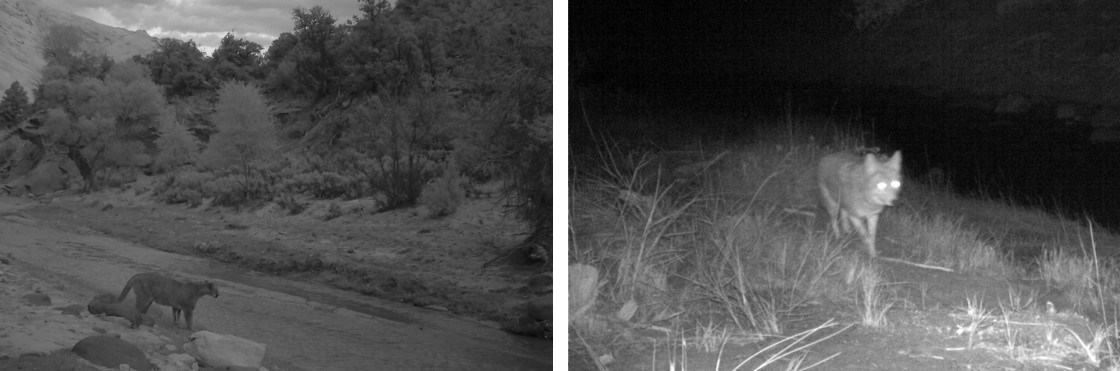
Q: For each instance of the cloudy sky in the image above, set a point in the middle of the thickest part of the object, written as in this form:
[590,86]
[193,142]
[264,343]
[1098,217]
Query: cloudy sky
[204,21]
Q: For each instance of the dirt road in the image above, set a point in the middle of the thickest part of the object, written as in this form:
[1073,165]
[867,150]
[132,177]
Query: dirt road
[304,324]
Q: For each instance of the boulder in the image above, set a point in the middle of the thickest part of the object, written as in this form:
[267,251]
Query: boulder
[111,352]
[106,304]
[219,350]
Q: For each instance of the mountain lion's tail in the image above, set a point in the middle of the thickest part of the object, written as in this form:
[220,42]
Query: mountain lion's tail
[124,293]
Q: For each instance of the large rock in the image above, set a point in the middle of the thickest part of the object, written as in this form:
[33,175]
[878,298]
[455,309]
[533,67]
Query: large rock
[109,351]
[218,350]
[106,304]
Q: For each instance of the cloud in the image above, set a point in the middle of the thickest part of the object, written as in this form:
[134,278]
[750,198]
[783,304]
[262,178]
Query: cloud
[204,21]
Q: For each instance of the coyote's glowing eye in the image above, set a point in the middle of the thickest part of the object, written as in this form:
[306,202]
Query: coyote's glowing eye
[895,184]
[881,185]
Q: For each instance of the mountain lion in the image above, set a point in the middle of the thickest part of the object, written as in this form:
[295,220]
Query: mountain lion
[180,296]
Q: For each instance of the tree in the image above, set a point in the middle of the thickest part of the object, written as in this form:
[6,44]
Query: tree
[280,48]
[13,107]
[237,59]
[503,52]
[176,145]
[246,131]
[178,66]
[314,53]
[103,123]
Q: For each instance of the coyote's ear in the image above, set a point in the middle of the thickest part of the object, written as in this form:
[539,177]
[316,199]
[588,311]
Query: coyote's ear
[870,163]
[895,162]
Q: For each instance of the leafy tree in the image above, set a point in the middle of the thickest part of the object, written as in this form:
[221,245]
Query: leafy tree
[13,107]
[279,49]
[103,123]
[246,131]
[374,9]
[315,61]
[178,66]
[176,146]
[237,59]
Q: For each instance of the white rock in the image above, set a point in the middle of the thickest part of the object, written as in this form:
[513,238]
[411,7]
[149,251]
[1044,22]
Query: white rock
[179,362]
[218,350]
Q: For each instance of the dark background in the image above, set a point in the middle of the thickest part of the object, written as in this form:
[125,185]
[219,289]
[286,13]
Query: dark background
[932,79]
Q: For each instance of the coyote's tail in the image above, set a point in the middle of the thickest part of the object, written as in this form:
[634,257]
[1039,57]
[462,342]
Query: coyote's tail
[124,293]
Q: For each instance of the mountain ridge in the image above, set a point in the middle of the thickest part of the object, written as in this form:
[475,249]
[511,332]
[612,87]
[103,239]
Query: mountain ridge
[24,24]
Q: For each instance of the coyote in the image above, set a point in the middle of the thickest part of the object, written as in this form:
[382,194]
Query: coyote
[855,188]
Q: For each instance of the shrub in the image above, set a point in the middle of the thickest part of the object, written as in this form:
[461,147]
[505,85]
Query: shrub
[239,190]
[399,180]
[288,202]
[176,145]
[324,185]
[246,131]
[333,211]
[183,187]
[444,194]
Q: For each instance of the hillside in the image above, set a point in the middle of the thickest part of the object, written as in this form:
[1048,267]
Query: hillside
[23,23]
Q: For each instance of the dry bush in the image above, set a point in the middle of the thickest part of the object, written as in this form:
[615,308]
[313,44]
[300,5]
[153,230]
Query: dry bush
[444,194]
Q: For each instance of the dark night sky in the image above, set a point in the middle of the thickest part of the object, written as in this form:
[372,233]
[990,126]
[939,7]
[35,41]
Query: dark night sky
[701,40]
[729,58]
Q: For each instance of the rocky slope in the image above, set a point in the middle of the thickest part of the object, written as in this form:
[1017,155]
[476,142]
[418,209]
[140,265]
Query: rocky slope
[24,23]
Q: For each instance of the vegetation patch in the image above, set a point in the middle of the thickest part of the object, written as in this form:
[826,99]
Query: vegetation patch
[685,257]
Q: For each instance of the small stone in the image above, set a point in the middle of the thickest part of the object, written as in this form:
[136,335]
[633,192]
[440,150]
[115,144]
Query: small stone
[38,300]
[73,310]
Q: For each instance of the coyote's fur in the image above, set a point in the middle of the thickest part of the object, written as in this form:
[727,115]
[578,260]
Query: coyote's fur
[855,188]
